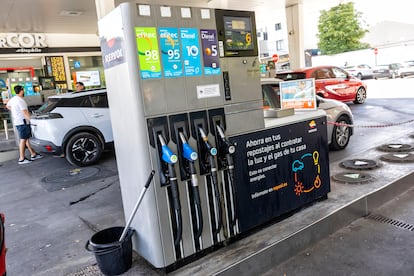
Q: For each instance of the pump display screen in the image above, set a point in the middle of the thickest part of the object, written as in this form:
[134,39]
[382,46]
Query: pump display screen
[238,33]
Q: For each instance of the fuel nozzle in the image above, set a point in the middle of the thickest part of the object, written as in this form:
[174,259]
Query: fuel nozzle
[167,155]
[227,146]
[188,152]
[212,150]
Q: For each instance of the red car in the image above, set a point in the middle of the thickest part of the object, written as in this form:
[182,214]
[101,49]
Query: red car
[331,82]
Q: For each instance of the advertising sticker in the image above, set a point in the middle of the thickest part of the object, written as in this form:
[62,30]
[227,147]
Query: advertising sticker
[279,170]
[170,52]
[298,94]
[191,51]
[148,52]
[209,44]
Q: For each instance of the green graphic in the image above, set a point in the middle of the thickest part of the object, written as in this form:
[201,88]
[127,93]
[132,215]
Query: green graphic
[148,53]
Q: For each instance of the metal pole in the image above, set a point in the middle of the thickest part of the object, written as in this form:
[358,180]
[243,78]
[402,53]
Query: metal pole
[6,130]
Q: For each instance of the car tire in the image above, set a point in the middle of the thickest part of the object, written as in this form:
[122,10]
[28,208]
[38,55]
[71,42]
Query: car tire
[341,133]
[359,76]
[361,96]
[83,149]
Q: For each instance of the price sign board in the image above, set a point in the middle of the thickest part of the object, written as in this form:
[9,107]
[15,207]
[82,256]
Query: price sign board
[170,52]
[191,51]
[209,44]
[148,52]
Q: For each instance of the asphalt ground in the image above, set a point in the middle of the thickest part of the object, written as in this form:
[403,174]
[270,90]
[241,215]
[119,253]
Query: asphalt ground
[379,244]
[53,208]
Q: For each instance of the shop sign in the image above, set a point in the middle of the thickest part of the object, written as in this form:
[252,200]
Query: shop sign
[23,40]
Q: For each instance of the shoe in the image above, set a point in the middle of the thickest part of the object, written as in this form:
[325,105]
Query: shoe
[24,161]
[37,156]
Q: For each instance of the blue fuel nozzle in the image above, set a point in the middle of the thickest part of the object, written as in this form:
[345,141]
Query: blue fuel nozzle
[167,154]
[188,152]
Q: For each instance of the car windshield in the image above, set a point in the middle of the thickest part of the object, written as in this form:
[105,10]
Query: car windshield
[48,106]
[291,76]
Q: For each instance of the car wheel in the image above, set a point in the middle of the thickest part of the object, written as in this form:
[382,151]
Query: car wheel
[341,133]
[361,96]
[359,76]
[83,149]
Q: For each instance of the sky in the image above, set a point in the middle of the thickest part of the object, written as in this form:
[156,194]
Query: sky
[373,12]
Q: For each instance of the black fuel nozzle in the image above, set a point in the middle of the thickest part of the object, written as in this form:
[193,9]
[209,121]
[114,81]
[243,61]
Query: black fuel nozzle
[226,145]
[210,149]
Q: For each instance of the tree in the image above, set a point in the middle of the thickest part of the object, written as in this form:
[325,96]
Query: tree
[340,30]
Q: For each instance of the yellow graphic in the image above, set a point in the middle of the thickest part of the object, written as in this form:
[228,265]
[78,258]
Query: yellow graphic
[248,38]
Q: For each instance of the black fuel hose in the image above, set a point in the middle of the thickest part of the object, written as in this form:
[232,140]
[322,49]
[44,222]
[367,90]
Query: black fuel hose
[176,204]
[214,180]
[197,201]
[230,168]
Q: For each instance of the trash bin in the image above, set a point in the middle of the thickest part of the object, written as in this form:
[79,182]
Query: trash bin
[113,257]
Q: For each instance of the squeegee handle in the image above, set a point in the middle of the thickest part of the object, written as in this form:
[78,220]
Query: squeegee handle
[141,196]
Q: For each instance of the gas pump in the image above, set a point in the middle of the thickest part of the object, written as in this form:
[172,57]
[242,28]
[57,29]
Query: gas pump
[191,107]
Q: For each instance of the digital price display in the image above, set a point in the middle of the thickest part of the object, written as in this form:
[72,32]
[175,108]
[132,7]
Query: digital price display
[148,52]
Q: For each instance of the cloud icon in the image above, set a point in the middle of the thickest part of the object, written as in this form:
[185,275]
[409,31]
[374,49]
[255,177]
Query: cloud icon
[297,166]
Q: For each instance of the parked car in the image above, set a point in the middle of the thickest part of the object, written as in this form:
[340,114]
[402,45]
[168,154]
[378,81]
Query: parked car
[407,69]
[331,82]
[394,69]
[75,124]
[381,71]
[361,71]
[338,114]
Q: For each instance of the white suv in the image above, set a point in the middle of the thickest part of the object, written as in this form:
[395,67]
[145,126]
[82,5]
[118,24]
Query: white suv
[75,124]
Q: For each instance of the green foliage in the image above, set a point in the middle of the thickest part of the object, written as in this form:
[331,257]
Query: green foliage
[340,30]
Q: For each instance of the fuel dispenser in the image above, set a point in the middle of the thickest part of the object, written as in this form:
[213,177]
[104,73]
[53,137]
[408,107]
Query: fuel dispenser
[185,100]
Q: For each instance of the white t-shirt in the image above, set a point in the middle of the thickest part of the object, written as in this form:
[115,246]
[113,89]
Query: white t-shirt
[17,105]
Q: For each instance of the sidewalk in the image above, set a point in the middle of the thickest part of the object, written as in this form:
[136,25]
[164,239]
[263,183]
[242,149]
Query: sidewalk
[8,146]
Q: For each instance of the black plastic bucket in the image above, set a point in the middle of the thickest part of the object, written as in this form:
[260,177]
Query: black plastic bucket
[113,257]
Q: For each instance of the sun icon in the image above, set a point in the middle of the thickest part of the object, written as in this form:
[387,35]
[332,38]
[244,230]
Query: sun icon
[299,188]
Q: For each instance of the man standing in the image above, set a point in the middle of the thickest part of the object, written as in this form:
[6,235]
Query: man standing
[79,86]
[21,120]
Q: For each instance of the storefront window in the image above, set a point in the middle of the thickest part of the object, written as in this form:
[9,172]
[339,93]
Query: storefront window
[87,69]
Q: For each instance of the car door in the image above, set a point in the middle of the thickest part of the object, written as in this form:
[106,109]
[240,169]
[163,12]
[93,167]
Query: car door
[96,110]
[349,86]
[327,80]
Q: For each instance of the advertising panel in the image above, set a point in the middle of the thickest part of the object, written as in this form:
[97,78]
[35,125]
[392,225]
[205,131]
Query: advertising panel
[209,43]
[89,78]
[170,52]
[298,94]
[191,51]
[148,52]
[281,169]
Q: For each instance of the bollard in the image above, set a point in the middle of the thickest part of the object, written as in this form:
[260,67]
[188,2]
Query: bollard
[6,130]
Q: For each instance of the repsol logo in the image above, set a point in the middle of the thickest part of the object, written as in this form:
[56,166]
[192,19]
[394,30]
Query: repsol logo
[23,40]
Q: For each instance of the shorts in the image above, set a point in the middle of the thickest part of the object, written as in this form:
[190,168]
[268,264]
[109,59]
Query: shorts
[25,132]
